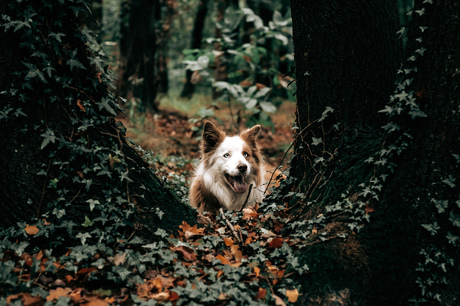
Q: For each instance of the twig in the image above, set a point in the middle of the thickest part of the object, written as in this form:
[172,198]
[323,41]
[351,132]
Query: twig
[285,152]
[43,190]
[230,226]
[247,198]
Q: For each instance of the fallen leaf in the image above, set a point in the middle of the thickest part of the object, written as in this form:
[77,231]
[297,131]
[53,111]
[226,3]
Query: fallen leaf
[173,296]
[189,231]
[224,260]
[80,105]
[26,298]
[57,293]
[249,213]
[222,296]
[118,259]
[236,253]
[267,233]
[261,294]
[278,301]
[228,241]
[161,296]
[186,252]
[31,229]
[276,243]
[292,295]
[257,271]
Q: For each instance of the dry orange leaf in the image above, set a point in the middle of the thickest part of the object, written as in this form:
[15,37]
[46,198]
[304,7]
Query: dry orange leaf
[31,229]
[257,271]
[80,105]
[173,296]
[261,294]
[94,301]
[237,253]
[26,298]
[189,231]
[57,293]
[292,295]
[276,243]
[228,241]
[249,213]
[224,260]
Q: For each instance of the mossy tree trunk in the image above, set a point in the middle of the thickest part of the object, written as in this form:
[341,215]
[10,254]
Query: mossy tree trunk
[413,239]
[64,158]
[403,245]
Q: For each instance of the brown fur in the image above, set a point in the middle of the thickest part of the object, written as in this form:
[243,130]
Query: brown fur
[202,198]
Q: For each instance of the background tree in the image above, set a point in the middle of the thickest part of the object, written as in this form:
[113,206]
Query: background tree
[197,36]
[140,46]
[65,160]
[347,173]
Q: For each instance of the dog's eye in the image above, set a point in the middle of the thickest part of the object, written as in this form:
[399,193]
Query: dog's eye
[226,155]
[245,154]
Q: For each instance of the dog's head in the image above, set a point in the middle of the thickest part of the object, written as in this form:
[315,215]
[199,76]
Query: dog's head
[237,157]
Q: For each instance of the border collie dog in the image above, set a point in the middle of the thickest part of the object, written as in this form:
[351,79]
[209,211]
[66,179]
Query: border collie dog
[230,173]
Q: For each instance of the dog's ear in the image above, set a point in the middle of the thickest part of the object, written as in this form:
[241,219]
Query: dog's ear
[250,135]
[212,137]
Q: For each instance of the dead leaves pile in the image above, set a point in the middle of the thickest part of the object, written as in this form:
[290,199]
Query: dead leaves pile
[207,265]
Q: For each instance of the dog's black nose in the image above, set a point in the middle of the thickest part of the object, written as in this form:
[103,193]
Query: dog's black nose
[242,168]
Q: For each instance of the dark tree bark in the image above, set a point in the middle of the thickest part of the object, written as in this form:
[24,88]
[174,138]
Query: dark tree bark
[346,58]
[62,95]
[400,247]
[138,48]
[197,36]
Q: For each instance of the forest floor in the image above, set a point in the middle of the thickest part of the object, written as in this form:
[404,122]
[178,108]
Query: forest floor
[173,137]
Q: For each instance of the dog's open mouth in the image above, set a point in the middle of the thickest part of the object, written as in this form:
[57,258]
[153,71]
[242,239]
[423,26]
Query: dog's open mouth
[237,182]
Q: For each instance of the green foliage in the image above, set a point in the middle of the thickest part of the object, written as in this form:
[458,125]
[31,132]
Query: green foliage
[251,65]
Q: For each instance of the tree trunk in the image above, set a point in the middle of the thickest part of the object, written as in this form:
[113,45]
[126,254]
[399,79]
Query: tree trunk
[138,48]
[414,239]
[64,158]
[197,36]
[403,180]
[346,56]
[346,60]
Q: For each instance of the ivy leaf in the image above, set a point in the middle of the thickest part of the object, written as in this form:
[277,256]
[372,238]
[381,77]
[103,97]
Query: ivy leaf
[92,204]
[83,236]
[104,104]
[57,36]
[325,113]
[449,181]
[68,225]
[21,24]
[121,271]
[49,137]
[19,248]
[87,223]
[73,62]
[455,219]
[316,141]
[432,228]
[441,205]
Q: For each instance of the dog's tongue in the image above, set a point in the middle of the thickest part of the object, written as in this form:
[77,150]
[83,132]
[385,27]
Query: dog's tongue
[239,184]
